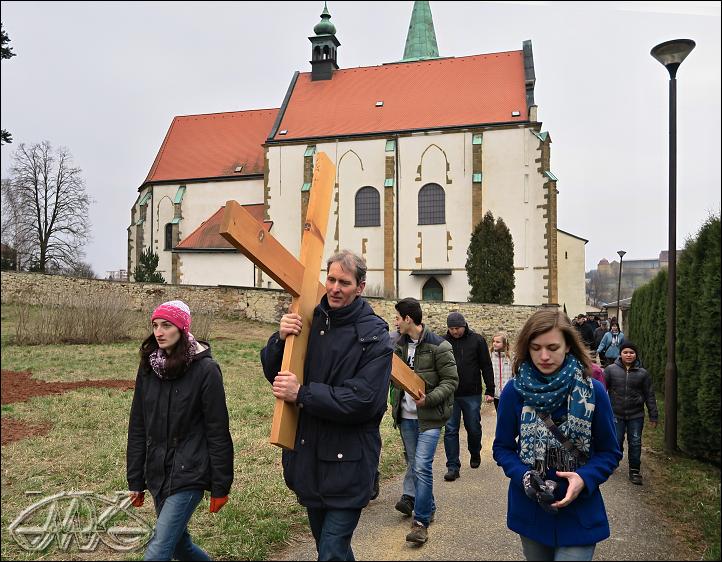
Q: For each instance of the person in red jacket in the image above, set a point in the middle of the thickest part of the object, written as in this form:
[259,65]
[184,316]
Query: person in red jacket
[179,442]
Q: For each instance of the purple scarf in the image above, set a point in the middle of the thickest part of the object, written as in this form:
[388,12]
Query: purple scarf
[159,358]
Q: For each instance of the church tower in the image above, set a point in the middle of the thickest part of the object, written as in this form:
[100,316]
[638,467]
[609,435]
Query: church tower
[324,47]
[421,39]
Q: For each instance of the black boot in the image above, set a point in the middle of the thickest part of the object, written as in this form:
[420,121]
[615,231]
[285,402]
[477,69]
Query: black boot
[405,505]
[451,475]
[635,477]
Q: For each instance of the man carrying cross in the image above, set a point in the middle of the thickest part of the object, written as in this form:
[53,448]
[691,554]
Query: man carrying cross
[340,403]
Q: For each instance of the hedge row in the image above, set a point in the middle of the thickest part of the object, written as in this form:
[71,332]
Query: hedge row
[698,339]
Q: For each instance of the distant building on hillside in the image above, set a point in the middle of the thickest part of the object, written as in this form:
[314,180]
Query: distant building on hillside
[118,275]
[602,283]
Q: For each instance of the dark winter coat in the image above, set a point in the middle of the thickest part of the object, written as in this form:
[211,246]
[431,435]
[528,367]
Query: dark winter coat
[341,403]
[472,360]
[434,363]
[587,332]
[629,390]
[178,436]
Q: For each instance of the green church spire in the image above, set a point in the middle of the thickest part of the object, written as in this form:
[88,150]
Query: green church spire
[421,40]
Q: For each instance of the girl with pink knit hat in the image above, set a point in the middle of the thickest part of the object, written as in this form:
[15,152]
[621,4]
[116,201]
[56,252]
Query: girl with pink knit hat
[179,442]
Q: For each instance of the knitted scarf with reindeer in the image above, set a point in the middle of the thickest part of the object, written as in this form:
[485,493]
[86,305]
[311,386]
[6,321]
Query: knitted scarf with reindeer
[546,394]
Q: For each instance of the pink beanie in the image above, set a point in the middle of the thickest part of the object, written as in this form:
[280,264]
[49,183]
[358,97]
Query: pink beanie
[175,312]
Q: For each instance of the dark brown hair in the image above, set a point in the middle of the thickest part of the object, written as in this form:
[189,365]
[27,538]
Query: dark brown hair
[175,363]
[540,323]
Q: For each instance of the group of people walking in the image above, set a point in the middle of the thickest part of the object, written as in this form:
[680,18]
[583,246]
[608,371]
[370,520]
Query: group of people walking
[559,431]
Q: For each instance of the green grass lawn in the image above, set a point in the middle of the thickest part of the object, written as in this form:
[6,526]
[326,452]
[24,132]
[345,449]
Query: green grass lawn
[689,491]
[85,449]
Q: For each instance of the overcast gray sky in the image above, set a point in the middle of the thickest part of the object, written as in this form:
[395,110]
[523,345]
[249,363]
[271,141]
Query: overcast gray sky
[106,79]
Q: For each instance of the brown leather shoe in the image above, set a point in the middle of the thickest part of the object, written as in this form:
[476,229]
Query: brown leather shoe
[419,534]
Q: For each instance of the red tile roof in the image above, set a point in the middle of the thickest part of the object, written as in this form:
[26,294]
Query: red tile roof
[213,145]
[206,236]
[428,94]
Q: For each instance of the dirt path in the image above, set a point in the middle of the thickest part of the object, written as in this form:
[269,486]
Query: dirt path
[471,518]
[21,386]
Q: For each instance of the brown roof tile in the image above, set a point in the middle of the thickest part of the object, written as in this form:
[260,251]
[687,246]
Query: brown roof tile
[213,145]
[206,236]
[417,95]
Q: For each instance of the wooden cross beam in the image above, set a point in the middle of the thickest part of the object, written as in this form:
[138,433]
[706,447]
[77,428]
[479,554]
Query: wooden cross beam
[300,279]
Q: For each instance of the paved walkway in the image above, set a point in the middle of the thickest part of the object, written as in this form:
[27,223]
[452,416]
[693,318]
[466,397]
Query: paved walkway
[470,520]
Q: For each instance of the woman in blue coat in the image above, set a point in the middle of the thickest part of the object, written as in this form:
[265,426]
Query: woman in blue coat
[556,441]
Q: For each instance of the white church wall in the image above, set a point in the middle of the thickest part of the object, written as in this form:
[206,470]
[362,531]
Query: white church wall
[359,163]
[512,189]
[163,213]
[225,268]
[424,247]
[571,256]
[200,202]
[285,179]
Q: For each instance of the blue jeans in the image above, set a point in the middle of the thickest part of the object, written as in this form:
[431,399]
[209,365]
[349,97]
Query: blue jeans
[633,428]
[333,529]
[534,550]
[420,449]
[408,488]
[170,538]
[470,407]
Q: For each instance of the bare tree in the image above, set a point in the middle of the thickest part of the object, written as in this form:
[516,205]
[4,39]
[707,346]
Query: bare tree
[50,206]
[12,235]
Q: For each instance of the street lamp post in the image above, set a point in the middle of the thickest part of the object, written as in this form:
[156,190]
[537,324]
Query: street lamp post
[619,286]
[671,54]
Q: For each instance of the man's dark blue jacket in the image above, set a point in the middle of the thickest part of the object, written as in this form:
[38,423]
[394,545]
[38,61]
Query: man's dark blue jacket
[341,403]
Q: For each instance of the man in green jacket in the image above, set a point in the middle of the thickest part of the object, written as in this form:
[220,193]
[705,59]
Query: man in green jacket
[420,421]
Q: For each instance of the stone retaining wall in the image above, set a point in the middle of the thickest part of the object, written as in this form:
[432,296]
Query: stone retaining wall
[264,305]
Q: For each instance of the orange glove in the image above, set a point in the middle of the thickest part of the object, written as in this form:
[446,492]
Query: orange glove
[217,504]
[137,499]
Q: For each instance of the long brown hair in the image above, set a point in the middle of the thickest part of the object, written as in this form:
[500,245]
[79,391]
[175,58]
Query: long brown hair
[505,343]
[540,323]
[175,363]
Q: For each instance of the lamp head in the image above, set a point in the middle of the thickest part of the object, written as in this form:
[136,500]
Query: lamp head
[621,254]
[672,53]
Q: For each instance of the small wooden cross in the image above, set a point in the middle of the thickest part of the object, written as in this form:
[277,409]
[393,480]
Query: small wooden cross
[300,279]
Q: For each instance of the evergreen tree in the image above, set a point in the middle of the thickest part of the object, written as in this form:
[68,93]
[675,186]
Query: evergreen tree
[145,271]
[698,343]
[7,52]
[490,262]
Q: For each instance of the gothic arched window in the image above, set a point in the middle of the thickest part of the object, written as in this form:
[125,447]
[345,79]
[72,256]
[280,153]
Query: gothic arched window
[169,236]
[368,208]
[432,205]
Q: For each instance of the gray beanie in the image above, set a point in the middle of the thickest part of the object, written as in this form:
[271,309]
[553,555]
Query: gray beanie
[456,320]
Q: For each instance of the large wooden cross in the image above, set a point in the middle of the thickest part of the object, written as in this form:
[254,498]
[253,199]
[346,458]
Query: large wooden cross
[299,277]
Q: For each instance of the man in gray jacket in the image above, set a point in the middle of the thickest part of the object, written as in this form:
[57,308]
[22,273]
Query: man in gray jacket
[420,421]
[630,388]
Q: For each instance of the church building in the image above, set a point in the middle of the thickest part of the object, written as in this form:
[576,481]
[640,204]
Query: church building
[423,148]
